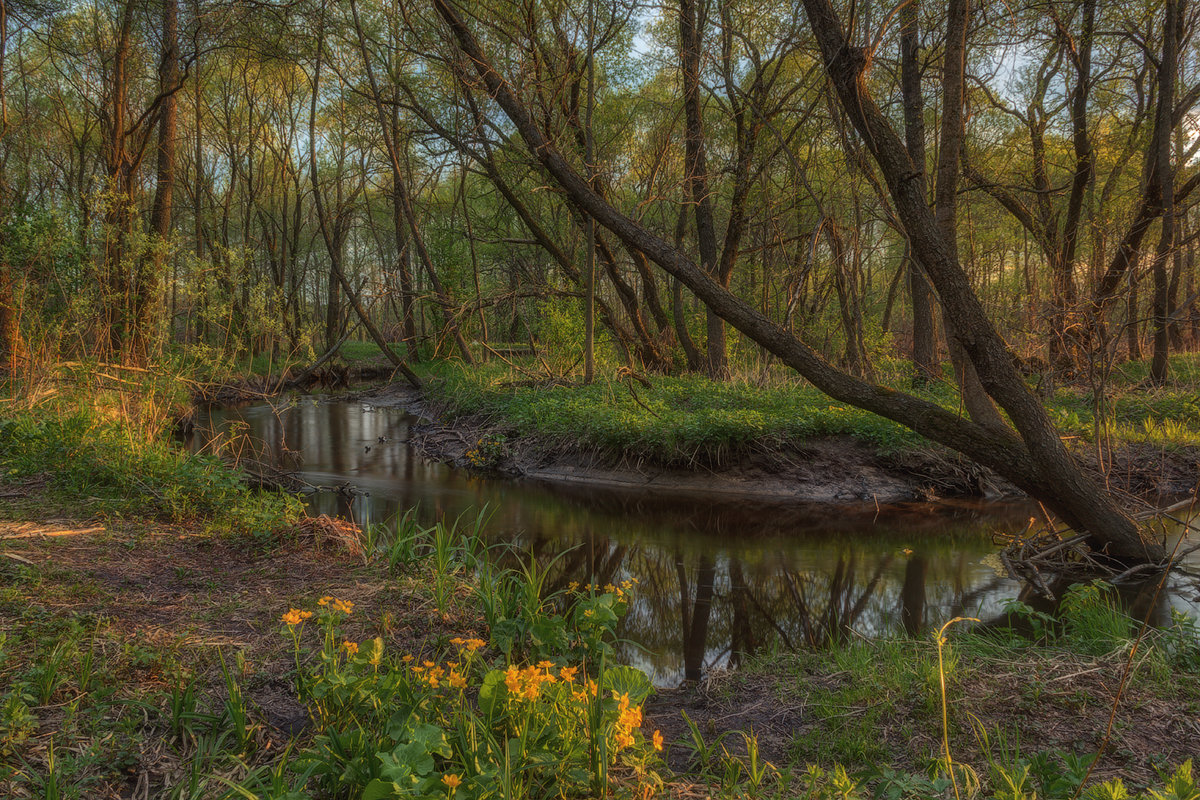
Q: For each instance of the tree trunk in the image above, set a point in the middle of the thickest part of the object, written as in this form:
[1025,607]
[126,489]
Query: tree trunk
[924,352]
[696,172]
[1164,124]
[974,396]
[151,265]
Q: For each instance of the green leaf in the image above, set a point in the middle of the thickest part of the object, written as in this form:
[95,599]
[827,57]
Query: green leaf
[380,790]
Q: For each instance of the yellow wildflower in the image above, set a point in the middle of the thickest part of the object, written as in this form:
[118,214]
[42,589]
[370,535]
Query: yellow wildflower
[456,680]
[295,616]
[350,647]
[452,781]
[568,673]
[512,679]
[657,741]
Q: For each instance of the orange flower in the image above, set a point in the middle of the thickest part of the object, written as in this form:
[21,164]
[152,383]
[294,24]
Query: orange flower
[512,679]
[568,673]
[351,648]
[657,741]
[295,616]
[452,781]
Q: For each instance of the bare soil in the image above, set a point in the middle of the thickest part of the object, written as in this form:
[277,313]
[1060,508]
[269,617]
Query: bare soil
[1037,701]
[179,589]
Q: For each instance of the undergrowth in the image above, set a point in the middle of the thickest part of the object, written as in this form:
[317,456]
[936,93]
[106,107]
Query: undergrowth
[674,420]
[536,709]
[678,420]
[103,443]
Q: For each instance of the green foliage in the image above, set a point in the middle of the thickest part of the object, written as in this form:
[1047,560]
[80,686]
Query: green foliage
[685,419]
[676,420]
[393,727]
[1092,622]
[89,457]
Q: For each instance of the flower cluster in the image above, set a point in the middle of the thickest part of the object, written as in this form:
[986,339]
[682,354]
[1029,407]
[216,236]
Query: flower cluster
[294,617]
[435,676]
[334,604]
[629,718]
[619,591]
[467,645]
[527,683]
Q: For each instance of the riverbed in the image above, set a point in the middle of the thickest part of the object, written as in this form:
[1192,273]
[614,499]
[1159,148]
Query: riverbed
[718,578]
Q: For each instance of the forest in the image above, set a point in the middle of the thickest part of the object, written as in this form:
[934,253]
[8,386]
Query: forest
[878,257]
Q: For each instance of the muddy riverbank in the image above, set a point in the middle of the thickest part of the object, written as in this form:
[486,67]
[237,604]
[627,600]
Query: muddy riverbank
[831,469]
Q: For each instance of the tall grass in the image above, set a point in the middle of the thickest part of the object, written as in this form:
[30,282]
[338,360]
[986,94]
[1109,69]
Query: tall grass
[108,438]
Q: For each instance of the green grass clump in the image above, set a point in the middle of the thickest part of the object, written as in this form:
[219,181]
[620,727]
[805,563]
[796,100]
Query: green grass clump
[681,419]
[113,469]
[675,420]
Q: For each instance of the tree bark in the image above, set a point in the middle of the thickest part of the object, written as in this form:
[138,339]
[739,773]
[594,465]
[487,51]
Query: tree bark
[924,352]
[974,396]
[696,172]
[1164,124]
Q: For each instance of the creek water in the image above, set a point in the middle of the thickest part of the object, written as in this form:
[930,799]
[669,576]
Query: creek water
[717,580]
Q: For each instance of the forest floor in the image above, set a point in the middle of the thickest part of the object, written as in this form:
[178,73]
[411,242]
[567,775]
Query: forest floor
[152,601]
[142,590]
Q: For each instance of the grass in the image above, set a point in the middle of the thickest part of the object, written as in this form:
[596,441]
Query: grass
[146,655]
[105,442]
[674,420]
[1017,695]
[685,419]
[203,693]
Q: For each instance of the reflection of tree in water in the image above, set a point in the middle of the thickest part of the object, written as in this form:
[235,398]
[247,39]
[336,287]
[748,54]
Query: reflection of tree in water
[691,611]
[826,607]
[718,580]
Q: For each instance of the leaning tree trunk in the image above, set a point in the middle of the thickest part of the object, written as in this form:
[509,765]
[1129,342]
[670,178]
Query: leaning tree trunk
[1037,462]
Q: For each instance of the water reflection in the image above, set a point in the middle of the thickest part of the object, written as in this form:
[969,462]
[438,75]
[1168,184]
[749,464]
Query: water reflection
[717,580]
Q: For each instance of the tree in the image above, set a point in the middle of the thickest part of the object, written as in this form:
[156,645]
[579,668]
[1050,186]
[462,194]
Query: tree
[1034,457]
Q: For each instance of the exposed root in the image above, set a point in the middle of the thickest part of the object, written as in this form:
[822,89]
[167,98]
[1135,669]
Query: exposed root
[1043,554]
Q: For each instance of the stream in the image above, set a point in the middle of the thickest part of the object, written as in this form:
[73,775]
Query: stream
[717,580]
